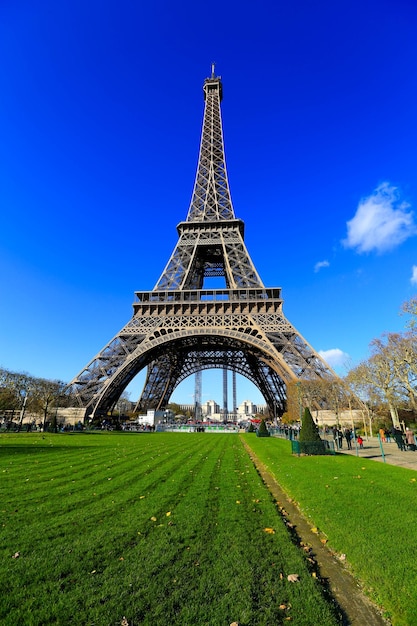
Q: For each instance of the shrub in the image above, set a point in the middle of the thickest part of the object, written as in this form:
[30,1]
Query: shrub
[262,430]
[309,437]
[309,431]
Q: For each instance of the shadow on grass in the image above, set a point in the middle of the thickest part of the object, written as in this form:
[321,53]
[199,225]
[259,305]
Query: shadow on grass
[42,445]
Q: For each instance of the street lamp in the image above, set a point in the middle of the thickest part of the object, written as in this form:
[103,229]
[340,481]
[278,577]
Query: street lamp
[23,409]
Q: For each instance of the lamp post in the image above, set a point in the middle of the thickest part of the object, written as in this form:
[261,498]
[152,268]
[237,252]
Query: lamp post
[23,409]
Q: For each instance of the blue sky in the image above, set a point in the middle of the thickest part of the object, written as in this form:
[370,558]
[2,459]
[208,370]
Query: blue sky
[101,112]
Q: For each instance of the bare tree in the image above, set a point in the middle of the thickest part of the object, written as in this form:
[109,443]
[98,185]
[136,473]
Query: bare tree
[15,391]
[410,308]
[377,379]
[400,350]
[47,394]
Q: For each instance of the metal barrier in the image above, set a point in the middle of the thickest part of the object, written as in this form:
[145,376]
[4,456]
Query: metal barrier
[312,447]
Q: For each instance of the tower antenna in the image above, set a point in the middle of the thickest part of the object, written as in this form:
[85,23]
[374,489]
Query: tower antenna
[213,65]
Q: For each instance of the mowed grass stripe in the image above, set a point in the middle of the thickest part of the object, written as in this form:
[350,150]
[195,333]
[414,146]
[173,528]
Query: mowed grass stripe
[176,536]
[366,509]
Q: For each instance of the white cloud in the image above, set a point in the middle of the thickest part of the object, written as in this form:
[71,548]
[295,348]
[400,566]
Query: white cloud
[321,264]
[334,357]
[381,222]
[414,275]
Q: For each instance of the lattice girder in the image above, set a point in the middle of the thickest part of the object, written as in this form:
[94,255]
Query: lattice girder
[169,352]
[168,326]
[179,327]
[202,245]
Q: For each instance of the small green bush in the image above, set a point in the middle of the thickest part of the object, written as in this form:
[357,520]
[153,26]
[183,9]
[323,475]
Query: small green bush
[309,438]
[309,431]
[262,430]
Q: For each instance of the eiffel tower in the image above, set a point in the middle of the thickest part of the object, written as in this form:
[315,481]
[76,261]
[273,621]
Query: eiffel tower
[180,328]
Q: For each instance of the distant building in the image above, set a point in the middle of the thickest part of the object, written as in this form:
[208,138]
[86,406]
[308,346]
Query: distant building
[247,409]
[210,408]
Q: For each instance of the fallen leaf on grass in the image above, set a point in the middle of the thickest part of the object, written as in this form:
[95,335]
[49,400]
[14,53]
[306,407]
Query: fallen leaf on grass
[124,622]
[293,578]
[283,607]
[237,501]
[153,519]
[270,531]
[168,513]
[315,531]
[323,541]
[16,555]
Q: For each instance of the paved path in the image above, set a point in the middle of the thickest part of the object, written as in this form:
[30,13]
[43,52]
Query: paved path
[393,455]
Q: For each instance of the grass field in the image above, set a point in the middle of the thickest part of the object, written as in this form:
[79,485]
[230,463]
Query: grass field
[367,510]
[158,529]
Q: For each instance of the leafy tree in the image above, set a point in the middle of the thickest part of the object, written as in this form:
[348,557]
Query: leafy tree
[175,408]
[295,395]
[8,400]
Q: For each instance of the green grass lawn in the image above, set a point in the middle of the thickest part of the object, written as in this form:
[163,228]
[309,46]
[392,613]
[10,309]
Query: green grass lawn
[366,509]
[158,528]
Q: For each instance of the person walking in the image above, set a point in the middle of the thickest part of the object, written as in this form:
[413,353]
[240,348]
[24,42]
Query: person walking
[348,437]
[399,439]
[409,437]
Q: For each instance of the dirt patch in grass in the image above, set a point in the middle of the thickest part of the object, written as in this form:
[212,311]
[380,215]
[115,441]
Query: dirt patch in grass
[341,584]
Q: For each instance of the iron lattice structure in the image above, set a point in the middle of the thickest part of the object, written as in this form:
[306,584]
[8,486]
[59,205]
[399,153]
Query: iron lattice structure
[179,328]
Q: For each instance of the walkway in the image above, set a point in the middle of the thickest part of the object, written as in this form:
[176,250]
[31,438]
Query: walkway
[393,455]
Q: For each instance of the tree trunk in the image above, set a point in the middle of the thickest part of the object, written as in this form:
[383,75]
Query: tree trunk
[394,415]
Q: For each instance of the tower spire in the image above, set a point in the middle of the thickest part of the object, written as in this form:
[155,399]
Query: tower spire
[211,239]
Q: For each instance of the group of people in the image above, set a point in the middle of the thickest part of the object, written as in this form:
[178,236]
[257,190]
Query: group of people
[348,434]
[404,440]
